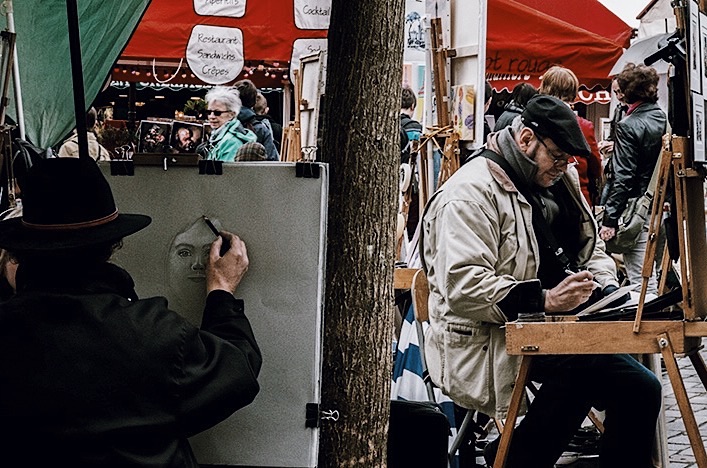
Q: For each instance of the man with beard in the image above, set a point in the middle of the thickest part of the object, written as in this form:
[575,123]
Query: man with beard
[509,237]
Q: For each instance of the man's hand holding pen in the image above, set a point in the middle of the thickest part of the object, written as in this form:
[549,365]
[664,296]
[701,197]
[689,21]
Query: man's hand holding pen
[570,293]
[226,269]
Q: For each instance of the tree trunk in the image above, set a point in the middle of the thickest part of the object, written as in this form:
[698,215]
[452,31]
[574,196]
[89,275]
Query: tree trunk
[361,142]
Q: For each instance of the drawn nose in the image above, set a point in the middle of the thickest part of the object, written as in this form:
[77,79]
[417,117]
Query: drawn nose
[198,264]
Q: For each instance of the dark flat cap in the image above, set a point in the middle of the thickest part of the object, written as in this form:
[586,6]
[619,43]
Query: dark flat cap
[551,118]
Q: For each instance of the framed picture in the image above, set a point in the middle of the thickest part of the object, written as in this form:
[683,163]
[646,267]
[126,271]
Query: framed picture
[703,44]
[186,136]
[698,127]
[695,60]
[154,136]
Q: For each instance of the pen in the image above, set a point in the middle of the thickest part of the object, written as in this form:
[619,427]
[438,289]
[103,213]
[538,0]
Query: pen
[213,228]
[570,272]
[224,246]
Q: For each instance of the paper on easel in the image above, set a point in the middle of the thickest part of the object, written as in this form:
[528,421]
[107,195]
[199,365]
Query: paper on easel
[605,301]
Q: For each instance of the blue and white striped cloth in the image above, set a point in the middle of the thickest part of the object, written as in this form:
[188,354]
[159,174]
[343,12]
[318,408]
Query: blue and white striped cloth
[407,374]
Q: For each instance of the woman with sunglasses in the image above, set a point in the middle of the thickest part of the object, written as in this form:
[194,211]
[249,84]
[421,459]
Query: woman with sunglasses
[227,132]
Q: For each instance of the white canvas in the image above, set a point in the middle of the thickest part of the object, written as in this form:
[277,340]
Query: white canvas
[282,220]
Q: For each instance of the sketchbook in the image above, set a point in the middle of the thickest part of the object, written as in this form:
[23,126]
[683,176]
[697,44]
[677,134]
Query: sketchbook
[605,301]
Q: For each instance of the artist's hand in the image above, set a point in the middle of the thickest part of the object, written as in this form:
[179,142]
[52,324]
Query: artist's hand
[570,293]
[225,272]
[607,233]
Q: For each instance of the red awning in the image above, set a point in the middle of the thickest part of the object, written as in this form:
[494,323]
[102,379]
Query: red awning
[522,43]
[268,28]
[193,42]
[589,15]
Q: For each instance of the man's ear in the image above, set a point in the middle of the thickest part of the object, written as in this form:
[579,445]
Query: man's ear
[524,138]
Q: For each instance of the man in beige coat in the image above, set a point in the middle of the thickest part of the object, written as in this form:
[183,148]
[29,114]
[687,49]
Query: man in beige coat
[70,147]
[510,234]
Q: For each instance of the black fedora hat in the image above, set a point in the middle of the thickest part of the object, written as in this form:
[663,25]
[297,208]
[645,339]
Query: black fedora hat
[67,204]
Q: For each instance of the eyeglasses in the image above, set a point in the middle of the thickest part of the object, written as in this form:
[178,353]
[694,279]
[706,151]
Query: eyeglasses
[558,161]
[217,113]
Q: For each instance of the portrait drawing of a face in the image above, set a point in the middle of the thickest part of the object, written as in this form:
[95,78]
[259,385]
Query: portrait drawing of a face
[187,257]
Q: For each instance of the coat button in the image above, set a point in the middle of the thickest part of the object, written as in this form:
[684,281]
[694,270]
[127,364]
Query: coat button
[485,347]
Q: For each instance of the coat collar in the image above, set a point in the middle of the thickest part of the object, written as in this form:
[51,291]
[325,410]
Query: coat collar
[100,279]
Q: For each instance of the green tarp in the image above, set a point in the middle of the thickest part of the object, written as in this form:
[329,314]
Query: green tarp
[45,62]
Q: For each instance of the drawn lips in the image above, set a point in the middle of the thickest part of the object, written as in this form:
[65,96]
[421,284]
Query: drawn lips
[197,277]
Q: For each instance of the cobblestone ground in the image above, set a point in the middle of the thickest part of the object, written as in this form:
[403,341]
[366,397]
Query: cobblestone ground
[679,449]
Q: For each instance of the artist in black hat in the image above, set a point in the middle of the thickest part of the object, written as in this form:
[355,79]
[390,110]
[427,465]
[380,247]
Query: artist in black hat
[90,375]
[510,237]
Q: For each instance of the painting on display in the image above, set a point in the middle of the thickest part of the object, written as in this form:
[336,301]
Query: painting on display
[186,136]
[696,59]
[154,136]
[703,45]
[698,127]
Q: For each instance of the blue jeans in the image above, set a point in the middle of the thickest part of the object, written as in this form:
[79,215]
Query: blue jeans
[571,386]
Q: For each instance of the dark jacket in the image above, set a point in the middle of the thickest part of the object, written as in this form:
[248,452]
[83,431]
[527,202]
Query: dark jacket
[262,131]
[510,112]
[636,150]
[275,127]
[93,377]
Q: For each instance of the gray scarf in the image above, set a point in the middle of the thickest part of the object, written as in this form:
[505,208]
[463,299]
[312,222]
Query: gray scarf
[526,169]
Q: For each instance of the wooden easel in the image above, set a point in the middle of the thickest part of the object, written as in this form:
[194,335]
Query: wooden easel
[640,337]
[691,230]
[291,135]
[443,131]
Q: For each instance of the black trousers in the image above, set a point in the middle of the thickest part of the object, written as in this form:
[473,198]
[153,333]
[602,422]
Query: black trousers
[571,385]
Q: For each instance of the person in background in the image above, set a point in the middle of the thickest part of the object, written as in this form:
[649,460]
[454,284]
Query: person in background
[261,113]
[227,132]
[491,252]
[247,116]
[563,84]
[488,98]
[70,147]
[252,151]
[522,92]
[637,146]
[410,130]
[97,375]
[606,147]
[411,127]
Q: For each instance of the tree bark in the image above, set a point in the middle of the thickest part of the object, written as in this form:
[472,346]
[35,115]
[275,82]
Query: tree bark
[361,142]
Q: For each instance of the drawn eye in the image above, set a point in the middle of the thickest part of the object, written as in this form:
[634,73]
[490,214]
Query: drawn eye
[184,253]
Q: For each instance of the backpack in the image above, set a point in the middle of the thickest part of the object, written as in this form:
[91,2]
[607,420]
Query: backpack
[404,147]
[410,131]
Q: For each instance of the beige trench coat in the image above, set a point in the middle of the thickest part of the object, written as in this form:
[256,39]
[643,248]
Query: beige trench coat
[478,244]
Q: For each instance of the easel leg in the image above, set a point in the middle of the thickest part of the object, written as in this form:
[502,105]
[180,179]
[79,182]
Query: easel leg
[513,409]
[688,416]
[699,365]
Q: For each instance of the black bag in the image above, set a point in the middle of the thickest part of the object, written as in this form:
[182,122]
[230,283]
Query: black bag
[418,435]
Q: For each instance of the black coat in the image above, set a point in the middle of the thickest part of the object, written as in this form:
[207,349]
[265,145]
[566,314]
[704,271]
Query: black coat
[91,376]
[639,139]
